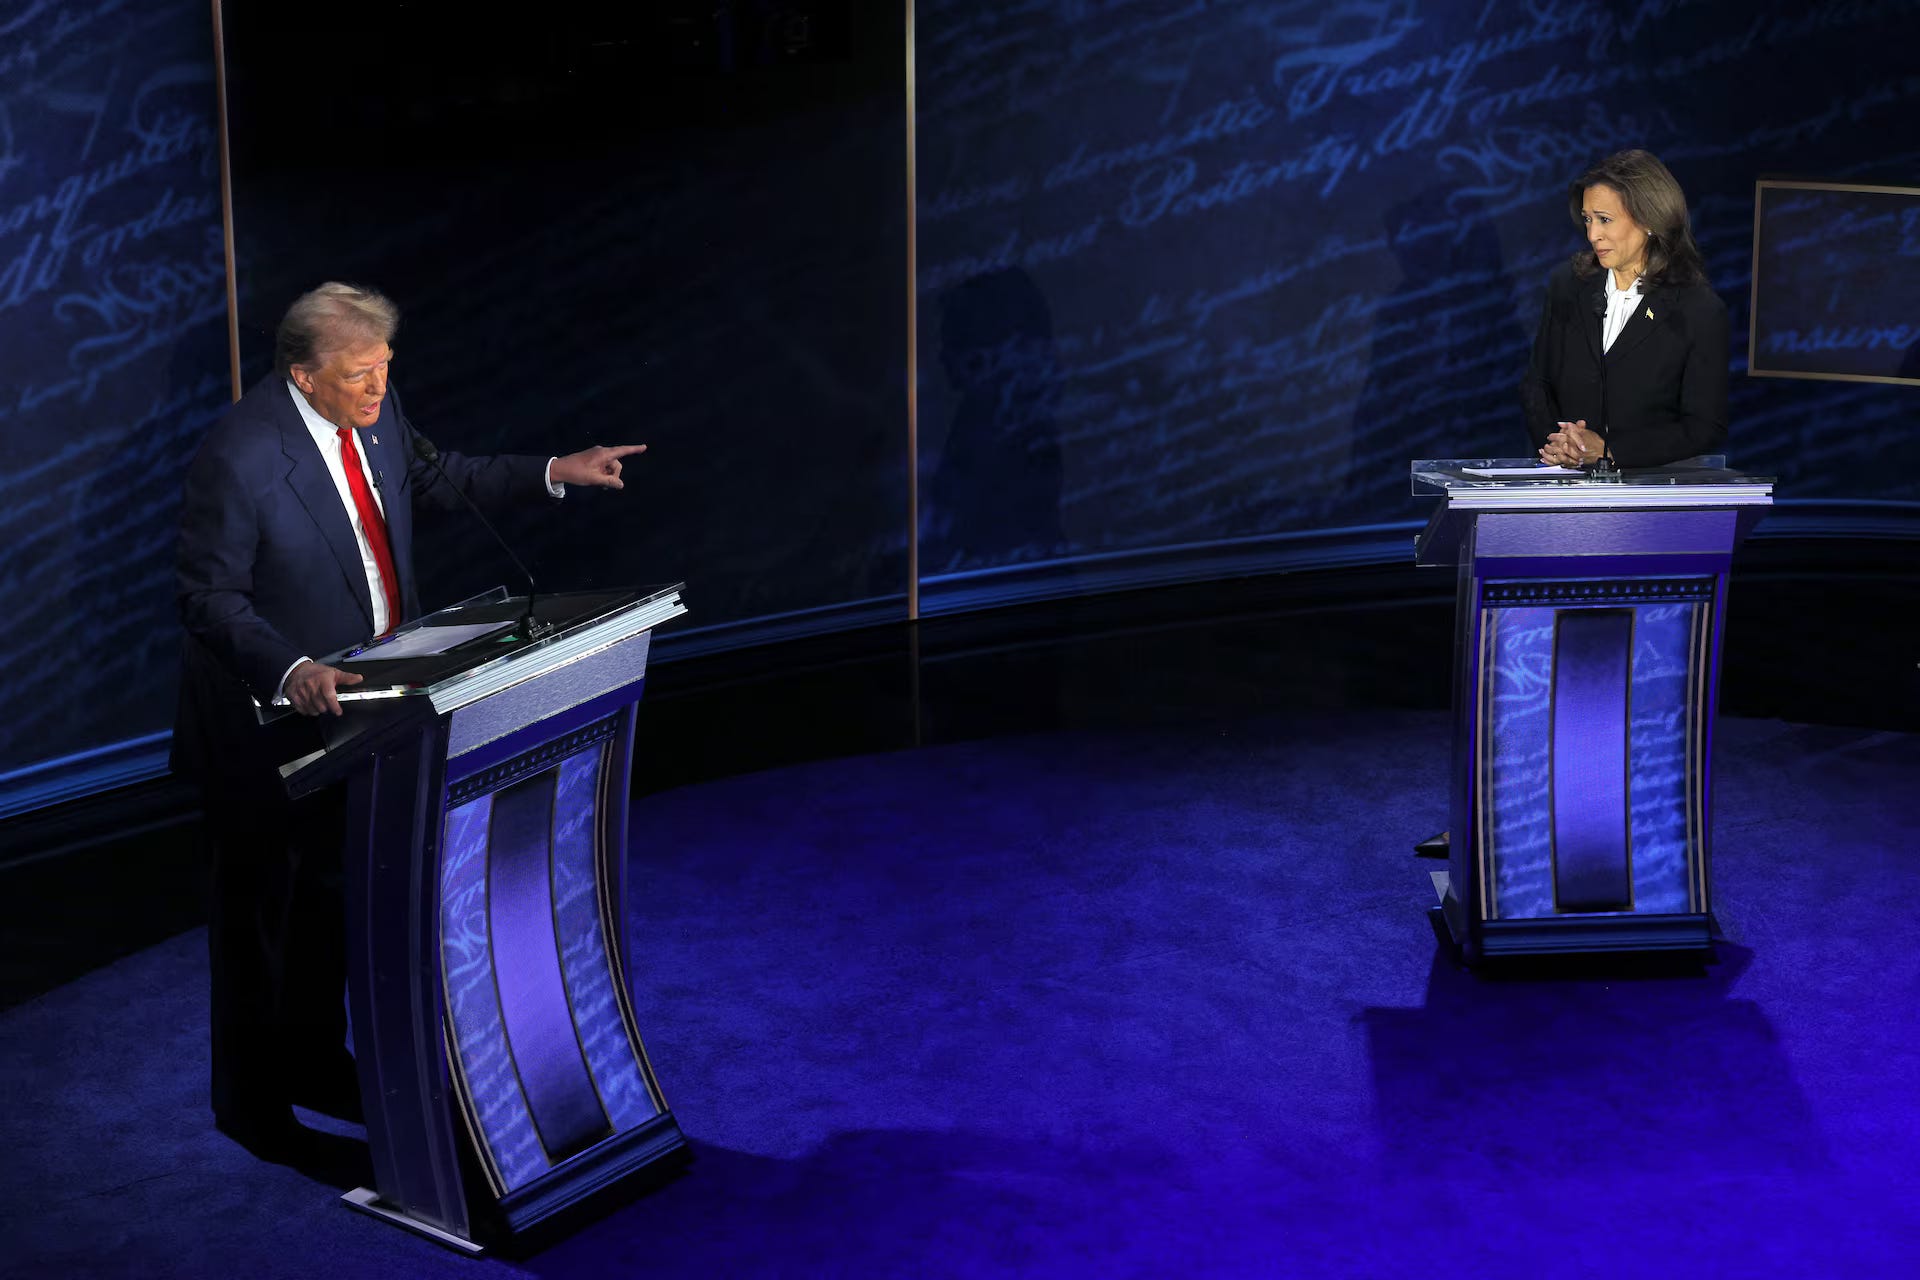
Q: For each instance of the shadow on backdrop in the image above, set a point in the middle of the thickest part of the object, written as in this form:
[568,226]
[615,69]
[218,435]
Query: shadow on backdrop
[1447,356]
[993,498]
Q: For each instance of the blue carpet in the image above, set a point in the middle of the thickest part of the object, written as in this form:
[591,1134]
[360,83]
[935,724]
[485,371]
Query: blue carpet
[1125,1004]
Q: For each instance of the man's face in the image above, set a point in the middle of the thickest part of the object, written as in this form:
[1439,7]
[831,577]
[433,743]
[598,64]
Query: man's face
[346,388]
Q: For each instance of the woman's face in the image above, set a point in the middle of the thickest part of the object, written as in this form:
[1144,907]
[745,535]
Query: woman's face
[1618,241]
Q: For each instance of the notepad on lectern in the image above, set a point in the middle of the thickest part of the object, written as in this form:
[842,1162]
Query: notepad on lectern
[425,642]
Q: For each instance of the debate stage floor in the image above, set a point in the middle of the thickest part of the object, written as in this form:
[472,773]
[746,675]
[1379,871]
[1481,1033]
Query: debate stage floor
[1127,999]
[1084,938]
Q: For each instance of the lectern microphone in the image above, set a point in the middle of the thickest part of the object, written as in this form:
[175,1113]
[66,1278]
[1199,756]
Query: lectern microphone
[424,450]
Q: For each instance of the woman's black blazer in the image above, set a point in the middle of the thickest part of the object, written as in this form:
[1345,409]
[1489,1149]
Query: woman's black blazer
[1666,384]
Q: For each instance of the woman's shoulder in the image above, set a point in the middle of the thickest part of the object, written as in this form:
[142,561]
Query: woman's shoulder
[1698,299]
[1564,287]
[1563,279]
[1703,295]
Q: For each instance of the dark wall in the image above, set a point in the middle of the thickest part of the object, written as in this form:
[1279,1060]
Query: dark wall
[678,225]
[1198,272]
[113,359]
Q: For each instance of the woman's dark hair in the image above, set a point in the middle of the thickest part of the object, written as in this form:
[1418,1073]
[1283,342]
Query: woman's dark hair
[1654,200]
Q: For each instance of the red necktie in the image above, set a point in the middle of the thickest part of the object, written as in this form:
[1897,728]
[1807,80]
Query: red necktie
[376,528]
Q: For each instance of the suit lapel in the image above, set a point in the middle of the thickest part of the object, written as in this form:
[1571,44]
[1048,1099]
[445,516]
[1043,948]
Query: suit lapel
[1638,325]
[1593,305]
[313,486]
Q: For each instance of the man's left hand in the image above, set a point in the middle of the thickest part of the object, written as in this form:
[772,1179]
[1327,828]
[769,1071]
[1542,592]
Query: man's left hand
[598,467]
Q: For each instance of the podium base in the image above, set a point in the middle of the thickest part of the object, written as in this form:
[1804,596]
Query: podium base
[1586,935]
[1616,935]
[367,1200]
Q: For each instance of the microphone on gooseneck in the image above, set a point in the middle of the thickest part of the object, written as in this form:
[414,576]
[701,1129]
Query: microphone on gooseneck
[424,450]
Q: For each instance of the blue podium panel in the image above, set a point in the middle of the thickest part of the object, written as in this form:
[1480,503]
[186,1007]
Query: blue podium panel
[1587,647]
[1590,785]
[489,1081]
[546,1060]
[584,908]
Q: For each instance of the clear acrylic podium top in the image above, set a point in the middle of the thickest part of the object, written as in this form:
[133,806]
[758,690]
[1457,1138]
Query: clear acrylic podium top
[486,651]
[1523,484]
[492,650]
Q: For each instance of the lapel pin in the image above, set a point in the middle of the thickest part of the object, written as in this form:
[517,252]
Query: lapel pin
[376,439]
[1649,316]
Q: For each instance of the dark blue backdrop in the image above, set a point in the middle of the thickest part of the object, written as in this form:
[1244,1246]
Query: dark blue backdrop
[112,310]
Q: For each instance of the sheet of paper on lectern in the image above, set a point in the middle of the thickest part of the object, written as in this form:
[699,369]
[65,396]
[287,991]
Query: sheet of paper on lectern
[423,642]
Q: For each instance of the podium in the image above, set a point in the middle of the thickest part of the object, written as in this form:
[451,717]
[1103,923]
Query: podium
[501,1068]
[1586,672]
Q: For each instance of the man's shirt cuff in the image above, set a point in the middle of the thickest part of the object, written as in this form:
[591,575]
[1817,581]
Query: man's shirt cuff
[280,690]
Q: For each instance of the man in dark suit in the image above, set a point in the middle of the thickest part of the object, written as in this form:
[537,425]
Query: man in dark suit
[296,542]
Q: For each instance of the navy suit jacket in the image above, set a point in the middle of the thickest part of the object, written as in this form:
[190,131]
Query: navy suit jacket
[268,570]
[1666,390]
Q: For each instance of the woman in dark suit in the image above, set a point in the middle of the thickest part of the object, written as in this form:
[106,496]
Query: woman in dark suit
[1631,358]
